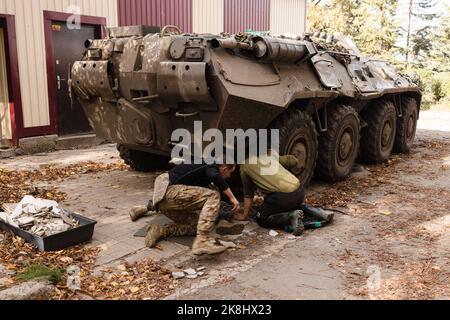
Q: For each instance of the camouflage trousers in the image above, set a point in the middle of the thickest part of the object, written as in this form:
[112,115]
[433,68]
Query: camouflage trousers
[194,208]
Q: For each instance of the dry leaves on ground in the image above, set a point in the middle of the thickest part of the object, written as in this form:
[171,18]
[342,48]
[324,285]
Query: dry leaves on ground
[16,255]
[340,194]
[422,280]
[14,185]
[143,280]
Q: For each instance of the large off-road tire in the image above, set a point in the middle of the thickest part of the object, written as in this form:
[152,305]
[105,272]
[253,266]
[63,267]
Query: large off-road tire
[378,137]
[142,161]
[298,137]
[339,146]
[406,126]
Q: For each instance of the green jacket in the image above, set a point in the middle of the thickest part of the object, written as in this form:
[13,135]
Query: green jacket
[282,181]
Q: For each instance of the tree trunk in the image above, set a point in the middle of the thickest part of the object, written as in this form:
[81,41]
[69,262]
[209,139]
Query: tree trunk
[408,36]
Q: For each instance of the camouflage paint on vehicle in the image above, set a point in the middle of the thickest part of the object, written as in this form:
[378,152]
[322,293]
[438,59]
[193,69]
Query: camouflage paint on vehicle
[137,86]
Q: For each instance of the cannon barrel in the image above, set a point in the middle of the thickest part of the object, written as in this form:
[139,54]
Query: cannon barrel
[268,48]
[230,43]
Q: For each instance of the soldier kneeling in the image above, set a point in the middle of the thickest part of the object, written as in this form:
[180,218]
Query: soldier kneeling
[180,194]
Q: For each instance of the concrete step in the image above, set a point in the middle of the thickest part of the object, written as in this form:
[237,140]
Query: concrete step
[35,145]
[7,153]
[44,144]
[78,142]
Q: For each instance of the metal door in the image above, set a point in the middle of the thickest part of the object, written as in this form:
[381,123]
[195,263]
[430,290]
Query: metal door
[69,46]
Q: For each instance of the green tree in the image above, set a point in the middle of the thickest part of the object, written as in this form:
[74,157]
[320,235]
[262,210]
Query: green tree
[333,16]
[437,90]
[370,23]
[376,32]
[440,52]
[419,33]
[422,43]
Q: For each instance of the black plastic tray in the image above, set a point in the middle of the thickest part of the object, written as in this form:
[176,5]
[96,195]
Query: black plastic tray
[58,241]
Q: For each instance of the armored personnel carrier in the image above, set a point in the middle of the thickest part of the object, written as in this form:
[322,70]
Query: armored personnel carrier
[331,104]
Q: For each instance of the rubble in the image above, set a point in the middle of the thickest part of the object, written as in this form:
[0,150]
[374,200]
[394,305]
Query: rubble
[273,233]
[40,217]
[190,272]
[178,275]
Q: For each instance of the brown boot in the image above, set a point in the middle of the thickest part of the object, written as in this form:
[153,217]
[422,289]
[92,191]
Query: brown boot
[138,212]
[158,232]
[226,228]
[155,233]
[206,245]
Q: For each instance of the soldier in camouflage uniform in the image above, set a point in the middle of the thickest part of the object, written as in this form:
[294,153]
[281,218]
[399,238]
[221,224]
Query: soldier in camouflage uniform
[185,196]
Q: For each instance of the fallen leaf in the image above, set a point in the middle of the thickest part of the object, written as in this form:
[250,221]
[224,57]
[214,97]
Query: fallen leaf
[134,290]
[436,268]
[66,259]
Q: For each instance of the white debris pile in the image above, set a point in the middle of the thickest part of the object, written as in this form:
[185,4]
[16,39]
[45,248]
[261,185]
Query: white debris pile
[189,273]
[41,217]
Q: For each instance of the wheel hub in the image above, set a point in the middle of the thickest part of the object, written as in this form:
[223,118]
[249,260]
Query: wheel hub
[410,128]
[299,150]
[345,146]
[386,134]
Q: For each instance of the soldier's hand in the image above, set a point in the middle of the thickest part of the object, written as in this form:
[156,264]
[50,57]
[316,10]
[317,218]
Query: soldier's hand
[236,205]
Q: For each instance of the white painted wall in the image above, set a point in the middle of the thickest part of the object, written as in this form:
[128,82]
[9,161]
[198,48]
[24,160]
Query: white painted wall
[208,16]
[5,122]
[288,16]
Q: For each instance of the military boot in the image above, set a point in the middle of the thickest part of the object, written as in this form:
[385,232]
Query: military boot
[158,232]
[289,221]
[227,228]
[318,213]
[138,212]
[204,244]
[298,231]
[295,225]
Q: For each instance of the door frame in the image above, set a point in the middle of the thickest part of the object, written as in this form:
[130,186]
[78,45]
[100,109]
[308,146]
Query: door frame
[15,98]
[49,17]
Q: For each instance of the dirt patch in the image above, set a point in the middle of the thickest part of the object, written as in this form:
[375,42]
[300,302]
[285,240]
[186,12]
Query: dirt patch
[400,201]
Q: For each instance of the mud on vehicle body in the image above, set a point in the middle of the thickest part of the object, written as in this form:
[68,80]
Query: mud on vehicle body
[329,102]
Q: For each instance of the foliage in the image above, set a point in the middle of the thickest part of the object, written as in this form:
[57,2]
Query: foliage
[440,53]
[374,26]
[437,90]
[369,22]
[434,85]
[37,271]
